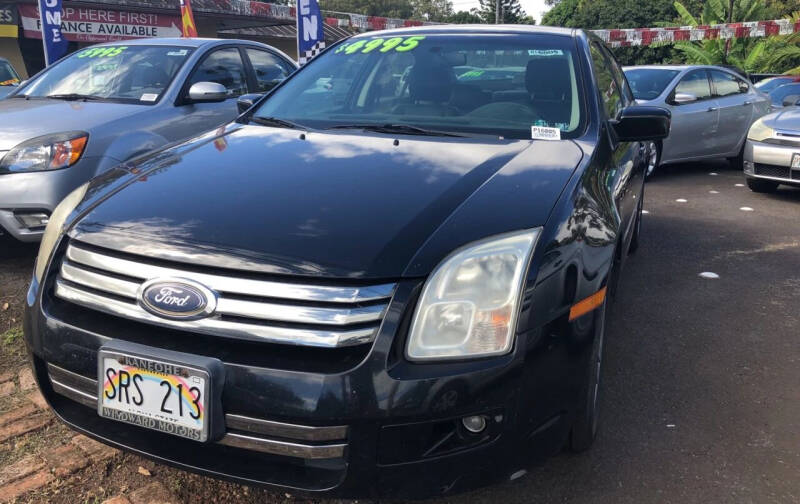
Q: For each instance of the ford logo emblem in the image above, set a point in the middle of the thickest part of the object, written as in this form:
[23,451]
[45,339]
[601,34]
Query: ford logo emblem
[177,298]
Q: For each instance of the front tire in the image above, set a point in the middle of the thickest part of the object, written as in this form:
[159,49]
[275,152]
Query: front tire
[584,429]
[761,185]
[737,163]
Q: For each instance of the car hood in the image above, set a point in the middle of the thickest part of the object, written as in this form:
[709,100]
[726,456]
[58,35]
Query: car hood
[332,204]
[785,118]
[22,119]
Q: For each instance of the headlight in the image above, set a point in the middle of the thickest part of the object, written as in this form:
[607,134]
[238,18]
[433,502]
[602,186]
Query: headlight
[759,131]
[49,152]
[56,226]
[470,304]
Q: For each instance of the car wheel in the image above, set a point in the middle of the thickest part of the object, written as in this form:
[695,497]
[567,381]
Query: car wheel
[584,429]
[653,158]
[762,186]
[737,163]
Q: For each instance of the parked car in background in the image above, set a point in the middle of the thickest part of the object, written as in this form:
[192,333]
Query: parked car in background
[772,153]
[381,280]
[712,109]
[770,83]
[9,78]
[106,104]
[785,95]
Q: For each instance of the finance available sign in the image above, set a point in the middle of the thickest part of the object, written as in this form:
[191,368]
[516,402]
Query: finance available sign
[83,24]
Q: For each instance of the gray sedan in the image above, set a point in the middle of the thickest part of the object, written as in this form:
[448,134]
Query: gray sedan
[712,108]
[772,152]
[108,103]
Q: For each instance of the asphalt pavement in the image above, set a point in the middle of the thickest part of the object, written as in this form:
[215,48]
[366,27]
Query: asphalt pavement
[701,384]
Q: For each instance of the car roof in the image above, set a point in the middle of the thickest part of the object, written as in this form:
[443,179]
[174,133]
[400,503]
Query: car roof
[672,67]
[681,68]
[182,42]
[475,28]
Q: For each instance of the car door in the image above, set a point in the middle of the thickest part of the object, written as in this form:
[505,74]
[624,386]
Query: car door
[267,69]
[735,110]
[694,124]
[224,66]
[626,160]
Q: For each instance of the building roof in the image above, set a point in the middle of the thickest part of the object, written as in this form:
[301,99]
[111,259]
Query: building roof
[288,31]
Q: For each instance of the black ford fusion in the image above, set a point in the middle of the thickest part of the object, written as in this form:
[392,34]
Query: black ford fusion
[387,277]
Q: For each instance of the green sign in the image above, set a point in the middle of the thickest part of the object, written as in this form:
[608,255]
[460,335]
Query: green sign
[364,46]
[102,52]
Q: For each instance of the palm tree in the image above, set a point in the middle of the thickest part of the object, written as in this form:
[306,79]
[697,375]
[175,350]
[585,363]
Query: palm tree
[747,54]
[787,52]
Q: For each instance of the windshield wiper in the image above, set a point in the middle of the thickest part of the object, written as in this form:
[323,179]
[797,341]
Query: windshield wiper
[74,97]
[404,129]
[274,121]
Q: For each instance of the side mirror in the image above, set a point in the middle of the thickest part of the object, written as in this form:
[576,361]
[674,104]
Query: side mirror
[204,92]
[640,123]
[791,100]
[681,98]
[246,101]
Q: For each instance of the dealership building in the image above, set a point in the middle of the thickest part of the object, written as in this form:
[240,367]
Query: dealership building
[91,22]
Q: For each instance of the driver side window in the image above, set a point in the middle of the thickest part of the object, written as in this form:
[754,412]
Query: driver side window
[610,95]
[223,66]
[695,83]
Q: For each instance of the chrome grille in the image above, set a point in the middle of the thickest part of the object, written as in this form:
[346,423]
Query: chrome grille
[247,308]
[249,433]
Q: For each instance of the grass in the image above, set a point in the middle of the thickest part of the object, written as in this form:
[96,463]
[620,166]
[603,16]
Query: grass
[12,336]
[12,349]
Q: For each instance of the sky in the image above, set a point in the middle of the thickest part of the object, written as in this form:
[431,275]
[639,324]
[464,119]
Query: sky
[534,8]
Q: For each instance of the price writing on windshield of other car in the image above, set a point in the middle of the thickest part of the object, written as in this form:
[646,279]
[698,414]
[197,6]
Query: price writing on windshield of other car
[102,52]
[363,46]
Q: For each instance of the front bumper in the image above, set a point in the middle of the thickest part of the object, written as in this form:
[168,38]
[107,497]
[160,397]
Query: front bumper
[390,427]
[771,161]
[38,192]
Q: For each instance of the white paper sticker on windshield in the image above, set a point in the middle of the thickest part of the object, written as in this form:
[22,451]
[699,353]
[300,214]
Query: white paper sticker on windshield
[182,52]
[545,133]
[545,52]
[149,97]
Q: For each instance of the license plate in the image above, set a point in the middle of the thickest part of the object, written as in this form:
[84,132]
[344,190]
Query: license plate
[796,161]
[162,396]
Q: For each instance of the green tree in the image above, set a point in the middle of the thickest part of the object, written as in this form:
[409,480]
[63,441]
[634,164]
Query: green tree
[605,14]
[510,12]
[464,17]
[770,54]
[432,10]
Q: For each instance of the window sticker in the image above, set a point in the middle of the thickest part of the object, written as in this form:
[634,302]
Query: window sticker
[9,82]
[545,124]
[384,45]
[102,52]
[149,97]
[545,133]
[545,52]
[182,52]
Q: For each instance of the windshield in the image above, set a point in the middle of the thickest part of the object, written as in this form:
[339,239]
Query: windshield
[768,85]
[779,93]
[481,84]
[649,83]
[135,74]
[8,77]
